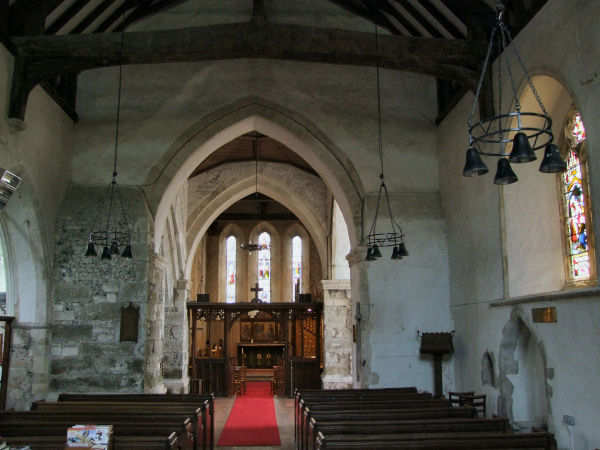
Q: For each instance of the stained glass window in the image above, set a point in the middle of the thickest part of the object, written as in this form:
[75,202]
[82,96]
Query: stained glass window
[575,204]
[296,264]
[231,259]
[264,267]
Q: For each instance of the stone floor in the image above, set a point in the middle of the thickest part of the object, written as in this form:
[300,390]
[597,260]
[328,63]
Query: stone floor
[284,409]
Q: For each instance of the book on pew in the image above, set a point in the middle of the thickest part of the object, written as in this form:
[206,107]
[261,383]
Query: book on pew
[89,436]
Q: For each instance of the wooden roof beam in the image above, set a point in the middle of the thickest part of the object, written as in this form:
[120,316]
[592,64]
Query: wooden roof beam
[45,57]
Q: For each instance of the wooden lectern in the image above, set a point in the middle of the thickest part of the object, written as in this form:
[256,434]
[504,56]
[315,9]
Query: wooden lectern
[437,345]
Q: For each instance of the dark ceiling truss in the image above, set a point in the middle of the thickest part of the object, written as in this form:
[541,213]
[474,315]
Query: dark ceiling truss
[54,40]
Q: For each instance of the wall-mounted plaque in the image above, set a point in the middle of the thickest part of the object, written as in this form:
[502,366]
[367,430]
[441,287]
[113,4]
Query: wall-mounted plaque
[130,316]
[544,315]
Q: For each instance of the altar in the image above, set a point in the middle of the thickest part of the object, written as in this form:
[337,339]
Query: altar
[260,355]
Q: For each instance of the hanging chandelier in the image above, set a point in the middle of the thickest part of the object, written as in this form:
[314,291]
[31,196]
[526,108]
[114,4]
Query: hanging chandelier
[110,229]
[250,246]
[395,238]
[527,131]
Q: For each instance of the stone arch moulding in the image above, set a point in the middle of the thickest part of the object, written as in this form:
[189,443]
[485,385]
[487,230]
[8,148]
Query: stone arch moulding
[28,254]
[237,191]
[298,133]
[512,332]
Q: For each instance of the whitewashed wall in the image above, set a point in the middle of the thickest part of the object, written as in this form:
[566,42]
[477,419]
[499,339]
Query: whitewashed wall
[502,240]
[40,153]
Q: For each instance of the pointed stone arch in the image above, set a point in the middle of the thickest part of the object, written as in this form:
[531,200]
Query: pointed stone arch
[524,377]
[278,191]
[298,133]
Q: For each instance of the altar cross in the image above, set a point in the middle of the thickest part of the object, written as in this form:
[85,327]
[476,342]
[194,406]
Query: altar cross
[256,290]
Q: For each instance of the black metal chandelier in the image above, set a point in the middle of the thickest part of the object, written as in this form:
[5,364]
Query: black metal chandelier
[110,229]
[395,238]
[527,131]
[250,246]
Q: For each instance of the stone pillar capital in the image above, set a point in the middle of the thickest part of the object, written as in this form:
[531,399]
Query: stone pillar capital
[357,254]
[183,285]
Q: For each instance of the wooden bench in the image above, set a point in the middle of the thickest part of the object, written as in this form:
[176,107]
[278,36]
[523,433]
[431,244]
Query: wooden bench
[41,423]
[307,406]
[499,425]
[58,442]
[378,413]
[140,397]
[199,416]
[537,440]
[316,395]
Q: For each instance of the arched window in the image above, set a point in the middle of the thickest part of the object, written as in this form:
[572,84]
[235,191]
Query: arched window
[264,267]
[296,265]
[230,262]
[576,203]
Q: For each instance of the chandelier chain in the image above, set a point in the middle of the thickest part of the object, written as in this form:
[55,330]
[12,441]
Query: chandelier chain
[380,138]
[482,75]
[118,105]
[527,76]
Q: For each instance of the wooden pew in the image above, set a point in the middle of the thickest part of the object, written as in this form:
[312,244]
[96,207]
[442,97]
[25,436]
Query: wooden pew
[537,440]
[199,416]
[41,423]
[58,442]
[140,397]
[339,394]
[477,425]
[308,406]
[355,395]
[377,414]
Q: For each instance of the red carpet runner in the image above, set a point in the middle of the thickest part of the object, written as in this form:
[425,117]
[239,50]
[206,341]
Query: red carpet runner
[252,419]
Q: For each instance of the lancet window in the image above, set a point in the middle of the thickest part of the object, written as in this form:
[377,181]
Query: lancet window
[231,261]
[296,265]
[576,203]
[264,266]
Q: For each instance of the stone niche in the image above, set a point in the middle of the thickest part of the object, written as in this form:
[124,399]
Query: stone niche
[337,334]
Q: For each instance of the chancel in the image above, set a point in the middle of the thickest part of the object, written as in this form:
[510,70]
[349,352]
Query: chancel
[292,208]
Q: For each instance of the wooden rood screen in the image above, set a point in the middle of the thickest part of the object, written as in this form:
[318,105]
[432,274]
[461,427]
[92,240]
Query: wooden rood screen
[263,335]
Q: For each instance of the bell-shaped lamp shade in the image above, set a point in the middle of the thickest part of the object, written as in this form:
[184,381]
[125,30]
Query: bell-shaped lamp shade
[474,164]
[521,150]
[396,253]
[376,252]
[114,248]
[127,252]
[91,250]
[370,255]
[402,249]
[552,162]
[504,173]
[105,253]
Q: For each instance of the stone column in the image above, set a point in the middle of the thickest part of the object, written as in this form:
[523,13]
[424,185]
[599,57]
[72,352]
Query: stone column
[337,334]
[360,287]
[175,359]
[155,314]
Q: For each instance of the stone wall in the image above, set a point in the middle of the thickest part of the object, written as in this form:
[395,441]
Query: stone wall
[87,296]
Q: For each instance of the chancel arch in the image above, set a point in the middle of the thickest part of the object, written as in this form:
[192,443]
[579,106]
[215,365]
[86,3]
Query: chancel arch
[202,215]
[253,114]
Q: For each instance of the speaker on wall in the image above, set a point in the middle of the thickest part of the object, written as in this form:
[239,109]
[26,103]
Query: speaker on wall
[202,298]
